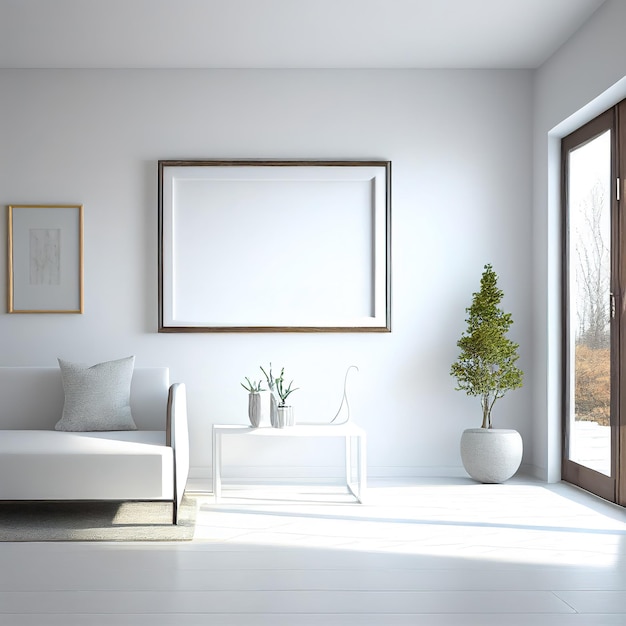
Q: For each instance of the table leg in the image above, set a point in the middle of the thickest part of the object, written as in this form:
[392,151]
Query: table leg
[356,488]
[362,461]
[217,465]
[348,461]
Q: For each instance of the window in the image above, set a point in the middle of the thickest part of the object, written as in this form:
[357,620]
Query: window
[594,246]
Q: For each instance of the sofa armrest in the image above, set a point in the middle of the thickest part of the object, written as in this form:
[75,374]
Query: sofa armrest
[178,440]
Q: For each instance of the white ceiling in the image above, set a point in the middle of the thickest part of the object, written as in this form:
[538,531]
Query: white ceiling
[286,33]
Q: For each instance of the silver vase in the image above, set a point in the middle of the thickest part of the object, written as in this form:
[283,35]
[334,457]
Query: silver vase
[273,411]
[254,409]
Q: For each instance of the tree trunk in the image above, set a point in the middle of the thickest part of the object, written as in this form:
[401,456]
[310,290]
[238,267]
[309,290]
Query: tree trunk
[486,412]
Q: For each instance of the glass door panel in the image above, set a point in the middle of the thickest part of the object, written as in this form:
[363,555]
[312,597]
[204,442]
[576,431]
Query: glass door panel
[590,304]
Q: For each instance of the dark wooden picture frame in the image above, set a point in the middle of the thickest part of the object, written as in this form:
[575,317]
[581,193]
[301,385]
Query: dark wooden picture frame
[274,246]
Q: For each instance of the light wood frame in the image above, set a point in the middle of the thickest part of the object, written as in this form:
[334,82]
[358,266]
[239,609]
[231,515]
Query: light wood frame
[45,258]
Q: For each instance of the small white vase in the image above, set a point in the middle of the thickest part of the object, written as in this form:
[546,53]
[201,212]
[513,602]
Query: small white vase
[255,409]
[491,455]
[284,417]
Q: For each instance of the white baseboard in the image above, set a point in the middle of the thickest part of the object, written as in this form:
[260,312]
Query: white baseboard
[540,473]
[286,473]
[331,473]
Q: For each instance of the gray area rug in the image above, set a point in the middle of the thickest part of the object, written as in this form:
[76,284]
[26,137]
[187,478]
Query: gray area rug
[96,521]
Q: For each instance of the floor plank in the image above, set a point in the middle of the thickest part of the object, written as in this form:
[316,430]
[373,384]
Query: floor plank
[437,552]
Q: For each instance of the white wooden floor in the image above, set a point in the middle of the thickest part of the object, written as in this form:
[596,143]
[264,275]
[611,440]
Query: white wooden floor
[429,553]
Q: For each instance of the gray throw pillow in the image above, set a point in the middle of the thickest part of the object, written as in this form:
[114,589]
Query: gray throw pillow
[97,397]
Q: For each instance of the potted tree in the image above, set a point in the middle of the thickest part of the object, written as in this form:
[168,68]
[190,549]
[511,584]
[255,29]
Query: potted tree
[486,368]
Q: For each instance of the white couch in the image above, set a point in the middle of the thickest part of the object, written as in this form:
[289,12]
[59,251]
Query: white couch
[38,462]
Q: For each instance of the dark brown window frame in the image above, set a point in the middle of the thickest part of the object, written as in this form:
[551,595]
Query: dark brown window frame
[611,488]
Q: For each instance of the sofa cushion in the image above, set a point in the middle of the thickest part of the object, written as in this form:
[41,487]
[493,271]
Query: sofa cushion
[52,465]
[97,398]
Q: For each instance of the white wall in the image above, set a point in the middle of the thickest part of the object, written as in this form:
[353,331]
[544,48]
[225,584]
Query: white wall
[584,78]
[460,144]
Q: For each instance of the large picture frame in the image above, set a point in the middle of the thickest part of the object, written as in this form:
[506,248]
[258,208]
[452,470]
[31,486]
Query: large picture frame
[274,246]
[45,258]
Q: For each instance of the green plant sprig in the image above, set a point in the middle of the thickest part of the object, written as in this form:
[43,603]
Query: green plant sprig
[271,381]
[253,386]
[282,391]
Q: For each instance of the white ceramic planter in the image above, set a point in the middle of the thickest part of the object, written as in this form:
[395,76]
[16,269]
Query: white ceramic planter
[284,417]
[491,455]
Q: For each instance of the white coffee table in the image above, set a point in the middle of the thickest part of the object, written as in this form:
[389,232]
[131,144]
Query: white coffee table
[355,440]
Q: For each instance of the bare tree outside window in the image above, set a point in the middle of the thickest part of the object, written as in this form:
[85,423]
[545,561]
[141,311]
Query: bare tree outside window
[592,270]
[591,261]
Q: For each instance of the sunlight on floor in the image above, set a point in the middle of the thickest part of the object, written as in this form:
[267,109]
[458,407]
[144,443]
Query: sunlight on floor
[516,523]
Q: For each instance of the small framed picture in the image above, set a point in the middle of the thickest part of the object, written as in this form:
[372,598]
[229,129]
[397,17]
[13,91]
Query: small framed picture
[45,264]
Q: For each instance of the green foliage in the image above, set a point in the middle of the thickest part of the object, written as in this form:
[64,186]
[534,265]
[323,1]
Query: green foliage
[273,384]
[252,386]
[486,365]
[282,391]
[269,377]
